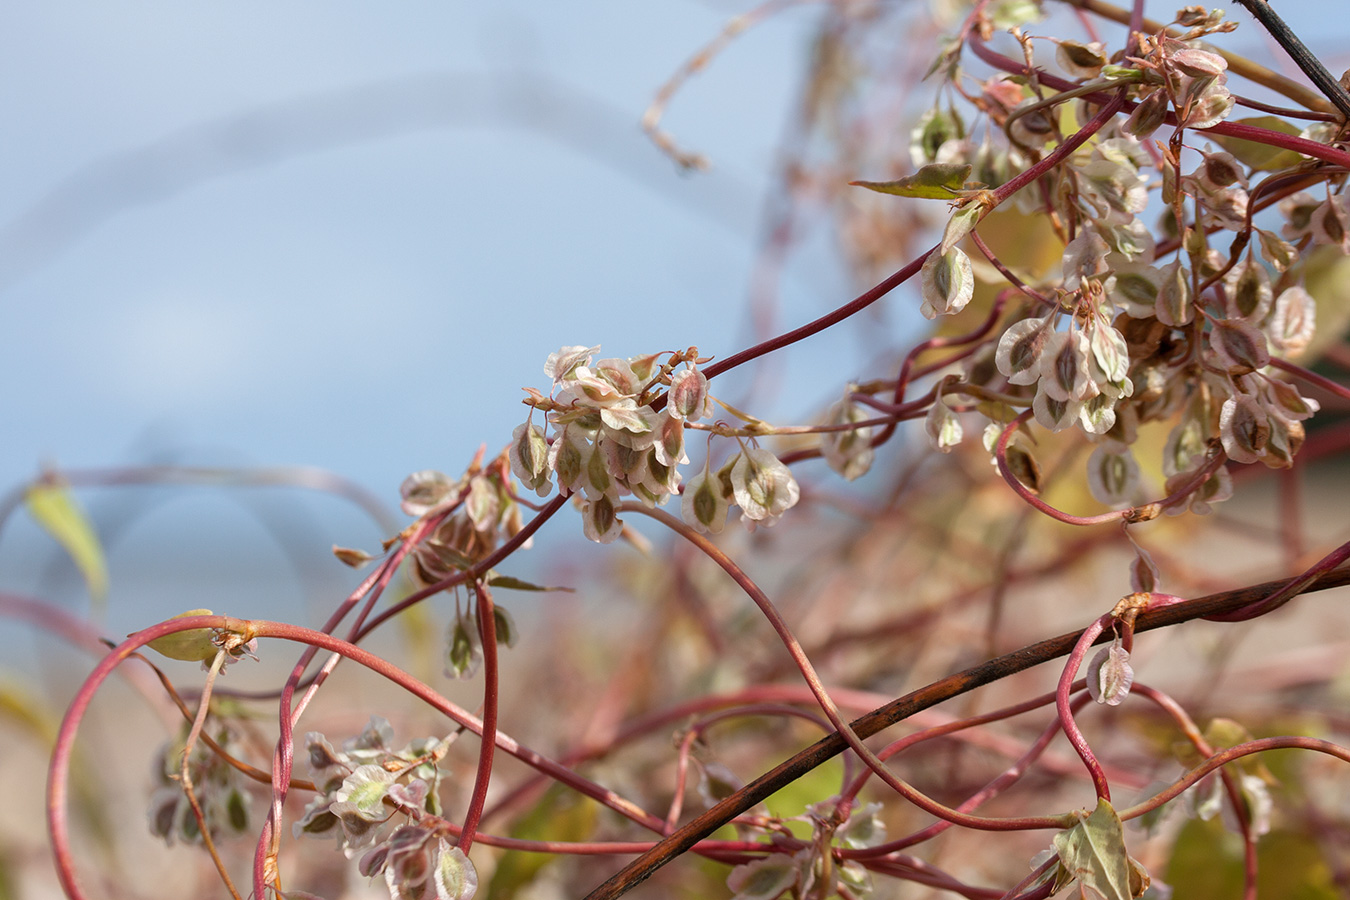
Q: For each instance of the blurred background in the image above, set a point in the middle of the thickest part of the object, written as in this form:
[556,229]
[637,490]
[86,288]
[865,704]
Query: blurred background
[344,236]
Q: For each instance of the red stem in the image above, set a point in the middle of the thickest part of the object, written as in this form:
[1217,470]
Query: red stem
[1311,377]
[487,631]
[1112,106]
[1291,589]
[827,705]
[481,568]
[283,756]
[1224,757]
[1230,786]
[935,343]
[1227,129]
[1005,779]
[58,771]
[1134,513]
[1063,705]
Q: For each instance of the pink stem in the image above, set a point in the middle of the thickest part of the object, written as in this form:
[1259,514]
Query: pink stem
[827,705]
[1224,757]
[1062,703]
[1230,785]
[1291,590]
[1228,129]
[488,562]
[867,298]
[1311,377]
[1005,779]
[487,630]
[1133,514]
[58,771]
[283,755]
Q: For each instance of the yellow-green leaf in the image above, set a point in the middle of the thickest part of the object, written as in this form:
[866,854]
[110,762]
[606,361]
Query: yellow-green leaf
[24,712]
[52,506]
[1262,157]
[193,645]
[1093,851]
[519,584]
[937,181]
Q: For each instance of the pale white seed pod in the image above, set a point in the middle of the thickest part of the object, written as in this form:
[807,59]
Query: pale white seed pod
[948,283]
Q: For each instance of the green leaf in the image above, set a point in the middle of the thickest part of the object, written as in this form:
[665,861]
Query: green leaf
[1093,851]
[938,181]
[466,649]
[1259,156]
[504,626]
[519,584]
[53,507]
[193,645]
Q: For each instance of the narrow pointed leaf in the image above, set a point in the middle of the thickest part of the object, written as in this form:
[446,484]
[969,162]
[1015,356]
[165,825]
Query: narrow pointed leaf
[520,584]
[937,181]
[53,507]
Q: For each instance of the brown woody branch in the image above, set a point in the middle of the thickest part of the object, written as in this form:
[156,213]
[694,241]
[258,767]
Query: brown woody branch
[901,708]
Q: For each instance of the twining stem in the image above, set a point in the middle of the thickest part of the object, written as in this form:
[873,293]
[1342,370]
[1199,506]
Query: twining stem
[1289,589]
[1063,704]
[834,317]
[1045,890]
[1224,757]
[1156,616]
[1230,785]
[479,570]
[265,869]
[1007,777]
[694,733]
[1311,377]
[1009,275]
[487,632]
[1140,513]
[757,696]
[867,298]
[827,704]
[1325,152]
[1237,64]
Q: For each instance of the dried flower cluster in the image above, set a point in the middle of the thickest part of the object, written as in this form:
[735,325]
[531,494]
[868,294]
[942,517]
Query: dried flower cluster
[1141,324]
[362,790]
[618,429]
[218,787]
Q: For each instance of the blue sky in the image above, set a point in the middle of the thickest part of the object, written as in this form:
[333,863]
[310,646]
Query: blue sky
[345,235]
[320,233]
